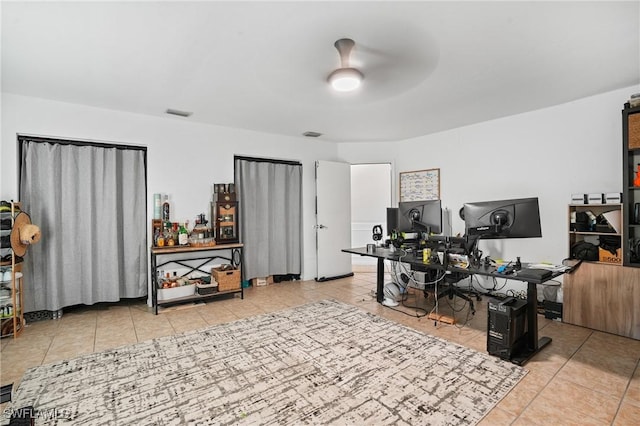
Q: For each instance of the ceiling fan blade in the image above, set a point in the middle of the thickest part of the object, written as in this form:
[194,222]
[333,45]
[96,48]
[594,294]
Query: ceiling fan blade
[344,46]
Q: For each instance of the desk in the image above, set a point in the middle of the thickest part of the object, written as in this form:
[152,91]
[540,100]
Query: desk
[204,255]
[532,342]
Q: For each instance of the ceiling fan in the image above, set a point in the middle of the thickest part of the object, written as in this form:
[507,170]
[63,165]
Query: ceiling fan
[345,78]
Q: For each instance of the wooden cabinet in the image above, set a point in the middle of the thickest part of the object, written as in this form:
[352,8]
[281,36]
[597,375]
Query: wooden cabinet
[630,188]
[224,214]
[226,217]
[603,297]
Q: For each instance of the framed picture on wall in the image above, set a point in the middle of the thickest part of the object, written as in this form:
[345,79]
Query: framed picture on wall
[420,185]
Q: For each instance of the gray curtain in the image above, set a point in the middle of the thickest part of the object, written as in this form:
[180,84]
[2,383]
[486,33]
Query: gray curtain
[270,210]
[90,203]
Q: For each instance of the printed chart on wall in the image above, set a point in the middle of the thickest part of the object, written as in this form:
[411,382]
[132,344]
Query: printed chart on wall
[420,185]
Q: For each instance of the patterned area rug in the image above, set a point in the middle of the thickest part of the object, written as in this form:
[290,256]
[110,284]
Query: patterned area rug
[321,363]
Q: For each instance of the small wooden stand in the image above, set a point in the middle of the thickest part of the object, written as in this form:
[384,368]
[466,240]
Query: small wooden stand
[441,318]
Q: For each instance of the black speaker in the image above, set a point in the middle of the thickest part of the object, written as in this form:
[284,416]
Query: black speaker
[392,219]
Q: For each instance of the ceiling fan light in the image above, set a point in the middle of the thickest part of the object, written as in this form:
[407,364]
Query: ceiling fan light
[345,79]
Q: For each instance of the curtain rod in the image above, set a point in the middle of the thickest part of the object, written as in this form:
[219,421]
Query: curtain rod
[78,142]
[266,160]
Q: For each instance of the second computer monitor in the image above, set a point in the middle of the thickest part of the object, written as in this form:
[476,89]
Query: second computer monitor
[515,218]
[420,216]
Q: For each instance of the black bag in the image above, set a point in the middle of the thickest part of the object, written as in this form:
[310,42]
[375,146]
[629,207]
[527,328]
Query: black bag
[584,251]
[610,243]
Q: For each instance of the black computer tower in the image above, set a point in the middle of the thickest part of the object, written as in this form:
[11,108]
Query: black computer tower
[506,327]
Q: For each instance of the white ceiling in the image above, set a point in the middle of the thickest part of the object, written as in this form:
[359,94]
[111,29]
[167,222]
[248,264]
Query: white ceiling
[429,66]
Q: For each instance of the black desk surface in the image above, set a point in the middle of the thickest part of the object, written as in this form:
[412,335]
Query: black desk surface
[416,261]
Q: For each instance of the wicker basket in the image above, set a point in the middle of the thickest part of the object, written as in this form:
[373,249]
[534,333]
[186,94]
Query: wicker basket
[634,131]
[204,289]
[228,279]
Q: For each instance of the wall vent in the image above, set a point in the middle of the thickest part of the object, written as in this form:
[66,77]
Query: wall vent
[178,112]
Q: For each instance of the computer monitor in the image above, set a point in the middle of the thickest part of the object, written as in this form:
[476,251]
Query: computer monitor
[420,216]
[516,218]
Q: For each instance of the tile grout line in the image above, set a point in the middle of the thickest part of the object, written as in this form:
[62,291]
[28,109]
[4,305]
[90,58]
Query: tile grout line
[633,373]
[537,395]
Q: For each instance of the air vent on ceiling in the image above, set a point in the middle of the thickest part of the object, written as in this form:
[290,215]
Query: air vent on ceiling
[312,134]
[178,112]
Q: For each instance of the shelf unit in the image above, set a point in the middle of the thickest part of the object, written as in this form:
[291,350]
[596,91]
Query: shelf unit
[602,296]
[631,193]
[594,236]
[11,295]
[185,257]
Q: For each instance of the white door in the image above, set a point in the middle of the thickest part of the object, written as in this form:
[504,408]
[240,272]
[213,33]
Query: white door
[333,219]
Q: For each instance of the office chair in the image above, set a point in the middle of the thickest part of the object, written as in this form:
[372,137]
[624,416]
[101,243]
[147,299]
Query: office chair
[451,290]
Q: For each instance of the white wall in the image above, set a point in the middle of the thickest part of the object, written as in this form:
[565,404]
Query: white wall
[184,158]
[550,153]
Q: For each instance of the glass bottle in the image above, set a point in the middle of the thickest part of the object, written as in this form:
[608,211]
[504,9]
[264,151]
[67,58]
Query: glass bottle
[183,235]
[169,239]
[159,237]
[166,209]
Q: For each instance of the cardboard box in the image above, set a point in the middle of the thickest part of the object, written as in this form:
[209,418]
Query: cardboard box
[595,198]
[613,198]
[608,257]
[259,282]
[578,198]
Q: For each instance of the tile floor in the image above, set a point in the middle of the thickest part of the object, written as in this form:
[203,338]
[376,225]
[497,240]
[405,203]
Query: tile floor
[583,377]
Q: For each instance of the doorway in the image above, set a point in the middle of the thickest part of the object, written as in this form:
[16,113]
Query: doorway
[371,194]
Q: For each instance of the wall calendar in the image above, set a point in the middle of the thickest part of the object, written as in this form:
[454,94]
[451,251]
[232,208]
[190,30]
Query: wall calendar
[420,185]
